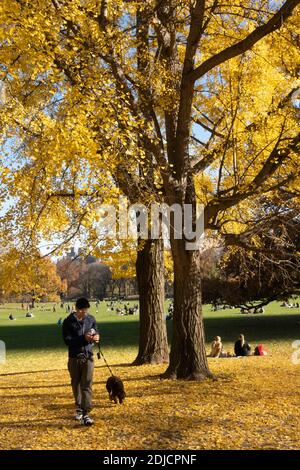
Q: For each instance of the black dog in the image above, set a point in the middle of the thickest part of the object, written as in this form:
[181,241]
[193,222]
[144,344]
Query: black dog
[115,388]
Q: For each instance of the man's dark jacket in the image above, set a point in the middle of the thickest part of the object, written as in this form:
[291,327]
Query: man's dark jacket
[73,334]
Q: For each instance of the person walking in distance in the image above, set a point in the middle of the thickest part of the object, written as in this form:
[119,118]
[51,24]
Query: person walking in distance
[79,333]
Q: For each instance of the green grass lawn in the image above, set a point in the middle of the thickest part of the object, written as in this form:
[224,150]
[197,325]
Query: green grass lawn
[29,341]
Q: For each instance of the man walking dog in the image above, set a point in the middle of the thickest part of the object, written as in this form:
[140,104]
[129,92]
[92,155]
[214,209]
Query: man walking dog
[79,333]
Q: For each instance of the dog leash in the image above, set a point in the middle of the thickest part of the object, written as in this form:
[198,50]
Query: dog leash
[100,353]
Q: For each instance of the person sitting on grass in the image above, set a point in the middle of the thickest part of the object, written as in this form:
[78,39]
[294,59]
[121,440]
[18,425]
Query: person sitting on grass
[260,351]
[11,317]
[244,310]
[241,347]
[216,347]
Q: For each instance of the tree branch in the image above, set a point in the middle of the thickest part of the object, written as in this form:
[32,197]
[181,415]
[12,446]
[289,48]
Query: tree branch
[273,162]
[244,45]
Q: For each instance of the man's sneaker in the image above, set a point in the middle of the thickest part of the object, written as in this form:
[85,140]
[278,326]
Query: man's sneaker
[87,421]
[79,414]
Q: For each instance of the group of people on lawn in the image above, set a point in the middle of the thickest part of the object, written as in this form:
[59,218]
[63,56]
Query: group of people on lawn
[241,348]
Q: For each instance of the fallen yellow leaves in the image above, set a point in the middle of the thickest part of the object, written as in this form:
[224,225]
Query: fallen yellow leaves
[253,405]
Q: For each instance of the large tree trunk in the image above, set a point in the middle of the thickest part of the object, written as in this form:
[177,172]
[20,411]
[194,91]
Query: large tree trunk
[153,342]
[188,356]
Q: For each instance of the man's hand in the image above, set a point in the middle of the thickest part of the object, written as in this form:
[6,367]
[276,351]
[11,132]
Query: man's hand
[92,338]
[89,337]
[96,338]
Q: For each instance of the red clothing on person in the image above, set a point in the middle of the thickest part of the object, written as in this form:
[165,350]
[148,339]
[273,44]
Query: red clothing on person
[259,350]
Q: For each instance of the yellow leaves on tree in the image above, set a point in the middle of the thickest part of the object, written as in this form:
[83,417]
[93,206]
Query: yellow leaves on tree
[32,275]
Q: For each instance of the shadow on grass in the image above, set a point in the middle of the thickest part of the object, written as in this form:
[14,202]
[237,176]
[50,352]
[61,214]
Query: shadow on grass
[49,336]
[117,335]
[57,423]
[22,387]
[65,369]
[256,328]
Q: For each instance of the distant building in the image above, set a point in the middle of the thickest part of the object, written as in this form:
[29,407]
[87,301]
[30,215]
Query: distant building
[71,254]
[89,259]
